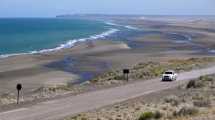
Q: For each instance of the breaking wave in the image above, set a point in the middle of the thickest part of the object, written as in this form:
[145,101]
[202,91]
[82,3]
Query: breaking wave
[68,44]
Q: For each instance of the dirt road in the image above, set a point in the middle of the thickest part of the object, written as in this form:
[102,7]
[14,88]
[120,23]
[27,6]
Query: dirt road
[56,109]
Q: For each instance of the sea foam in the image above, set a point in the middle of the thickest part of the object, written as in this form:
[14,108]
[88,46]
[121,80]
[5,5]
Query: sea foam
[68,44]
[71,43]
[124,26]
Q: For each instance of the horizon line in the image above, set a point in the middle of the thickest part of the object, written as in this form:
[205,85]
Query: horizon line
[98,14]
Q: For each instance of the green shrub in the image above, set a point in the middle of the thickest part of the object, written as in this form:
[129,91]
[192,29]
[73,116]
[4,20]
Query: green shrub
[119,77]
[186,111]
[94,81]
[173,100]
[158,115]
[146,116]
[150,115]
[194,84]
[206,78]
[191,84]
[202,103]
[78,117]
[84,118]
[157,71]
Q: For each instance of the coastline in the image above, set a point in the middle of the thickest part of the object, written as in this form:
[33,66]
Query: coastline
[66,45]
[91,58]
[71,43]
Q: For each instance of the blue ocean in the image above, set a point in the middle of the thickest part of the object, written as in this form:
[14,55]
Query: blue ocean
[32,35]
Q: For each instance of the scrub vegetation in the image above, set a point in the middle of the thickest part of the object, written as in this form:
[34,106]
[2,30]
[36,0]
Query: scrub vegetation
[193,102]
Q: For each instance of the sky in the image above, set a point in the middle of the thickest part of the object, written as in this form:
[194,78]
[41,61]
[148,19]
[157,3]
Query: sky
[51,8]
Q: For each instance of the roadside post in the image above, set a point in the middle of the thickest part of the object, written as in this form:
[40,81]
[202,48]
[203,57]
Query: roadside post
[126,72]
[19,88]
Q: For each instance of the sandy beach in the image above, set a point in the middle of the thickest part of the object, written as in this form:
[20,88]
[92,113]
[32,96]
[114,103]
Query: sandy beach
[156,41]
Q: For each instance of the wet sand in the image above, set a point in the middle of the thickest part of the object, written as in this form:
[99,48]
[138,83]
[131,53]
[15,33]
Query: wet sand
[154,42]
[51,69]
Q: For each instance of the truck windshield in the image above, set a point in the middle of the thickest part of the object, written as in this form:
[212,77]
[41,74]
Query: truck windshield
[168,73]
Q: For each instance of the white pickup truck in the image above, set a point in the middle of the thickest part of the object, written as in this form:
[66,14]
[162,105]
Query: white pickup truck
[169,75]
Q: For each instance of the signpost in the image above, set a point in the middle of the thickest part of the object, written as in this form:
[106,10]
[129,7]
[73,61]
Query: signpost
[126,72]
[18,87]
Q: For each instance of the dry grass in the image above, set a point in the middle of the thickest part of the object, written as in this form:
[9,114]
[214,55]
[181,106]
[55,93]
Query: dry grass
[149,70]
[141,71]
[196,103]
